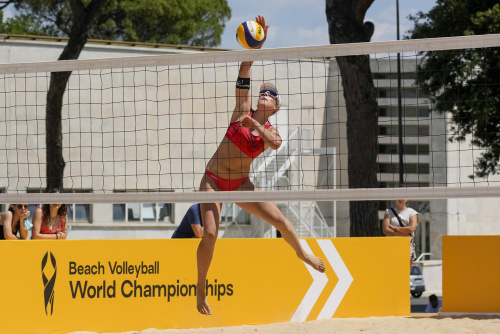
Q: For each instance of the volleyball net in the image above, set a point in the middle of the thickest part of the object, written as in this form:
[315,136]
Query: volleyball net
[142,129]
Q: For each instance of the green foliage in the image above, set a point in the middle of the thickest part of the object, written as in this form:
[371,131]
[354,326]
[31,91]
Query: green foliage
[465,83]
[187,22]
[25,24]
[194,22]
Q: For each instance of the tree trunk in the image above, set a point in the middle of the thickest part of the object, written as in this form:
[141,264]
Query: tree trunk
[53,124]
[83,22]
[345,25]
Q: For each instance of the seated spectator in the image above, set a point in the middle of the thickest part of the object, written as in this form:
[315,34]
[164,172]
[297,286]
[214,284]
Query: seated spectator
[13,222]
[434,304]
[191,225]
[50,221]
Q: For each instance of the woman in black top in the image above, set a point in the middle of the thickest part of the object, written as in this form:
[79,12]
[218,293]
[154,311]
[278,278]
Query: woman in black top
[12,222]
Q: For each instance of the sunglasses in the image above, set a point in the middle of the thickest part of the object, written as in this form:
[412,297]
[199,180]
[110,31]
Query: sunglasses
[22,206]
[268,92]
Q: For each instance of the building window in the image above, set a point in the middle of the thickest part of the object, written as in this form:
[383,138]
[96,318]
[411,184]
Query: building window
[408,149]
[231,213]
[143,213]
[409,168]
[408,111]
[227,212]
[79,213]
[408,130]
[423,112]
[406,184]
[406,93]
[394,75]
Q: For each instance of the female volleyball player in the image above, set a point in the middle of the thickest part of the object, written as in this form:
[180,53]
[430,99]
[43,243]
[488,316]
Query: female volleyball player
[248,135]
[12,222]
[50,221]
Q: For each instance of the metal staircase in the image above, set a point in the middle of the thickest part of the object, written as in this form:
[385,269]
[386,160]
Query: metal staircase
[269,174]
[270,167]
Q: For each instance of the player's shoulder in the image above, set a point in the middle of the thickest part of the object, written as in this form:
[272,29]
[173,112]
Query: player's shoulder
[6,214]
[412,211]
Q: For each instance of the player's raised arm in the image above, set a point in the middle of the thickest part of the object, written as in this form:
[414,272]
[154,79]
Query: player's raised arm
[243,99]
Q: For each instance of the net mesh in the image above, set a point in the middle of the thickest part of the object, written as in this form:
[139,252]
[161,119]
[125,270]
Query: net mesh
[142,129]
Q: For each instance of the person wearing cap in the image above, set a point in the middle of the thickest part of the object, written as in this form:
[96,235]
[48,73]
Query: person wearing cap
[248,135]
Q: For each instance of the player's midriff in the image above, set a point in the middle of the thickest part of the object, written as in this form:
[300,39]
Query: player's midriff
[229,161]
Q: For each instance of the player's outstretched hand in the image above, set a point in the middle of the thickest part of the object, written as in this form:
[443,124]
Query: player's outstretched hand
[262,21]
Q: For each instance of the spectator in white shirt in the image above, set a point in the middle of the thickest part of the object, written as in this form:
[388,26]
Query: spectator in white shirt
[401,221]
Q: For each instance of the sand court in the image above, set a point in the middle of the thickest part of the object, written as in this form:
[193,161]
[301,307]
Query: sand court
[417,323]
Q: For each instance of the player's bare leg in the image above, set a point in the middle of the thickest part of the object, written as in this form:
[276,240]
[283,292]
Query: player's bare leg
[269,212]
[210,215]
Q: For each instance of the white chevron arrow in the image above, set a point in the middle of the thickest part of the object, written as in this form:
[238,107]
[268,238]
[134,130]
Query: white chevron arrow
[320,280]
[345,279]
[312,295]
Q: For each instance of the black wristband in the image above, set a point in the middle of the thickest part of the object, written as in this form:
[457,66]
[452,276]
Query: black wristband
[243,83]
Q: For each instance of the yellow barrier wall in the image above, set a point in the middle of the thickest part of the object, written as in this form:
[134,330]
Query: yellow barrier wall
[471,274]
[126,285]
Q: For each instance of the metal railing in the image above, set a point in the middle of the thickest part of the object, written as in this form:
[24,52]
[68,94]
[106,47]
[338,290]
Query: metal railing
[274,163]
[313,220]
[269,174]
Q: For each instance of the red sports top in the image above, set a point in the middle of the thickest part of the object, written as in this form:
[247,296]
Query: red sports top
[243,138]
[44,229]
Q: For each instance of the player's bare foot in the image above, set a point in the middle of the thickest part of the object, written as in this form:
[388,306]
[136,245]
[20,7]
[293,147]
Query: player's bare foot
[202,303]
[315,262]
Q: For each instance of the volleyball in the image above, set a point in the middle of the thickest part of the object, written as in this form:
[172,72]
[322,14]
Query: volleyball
[250,34]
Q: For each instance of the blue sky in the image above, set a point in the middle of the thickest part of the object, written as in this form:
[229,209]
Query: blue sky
[303,22]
